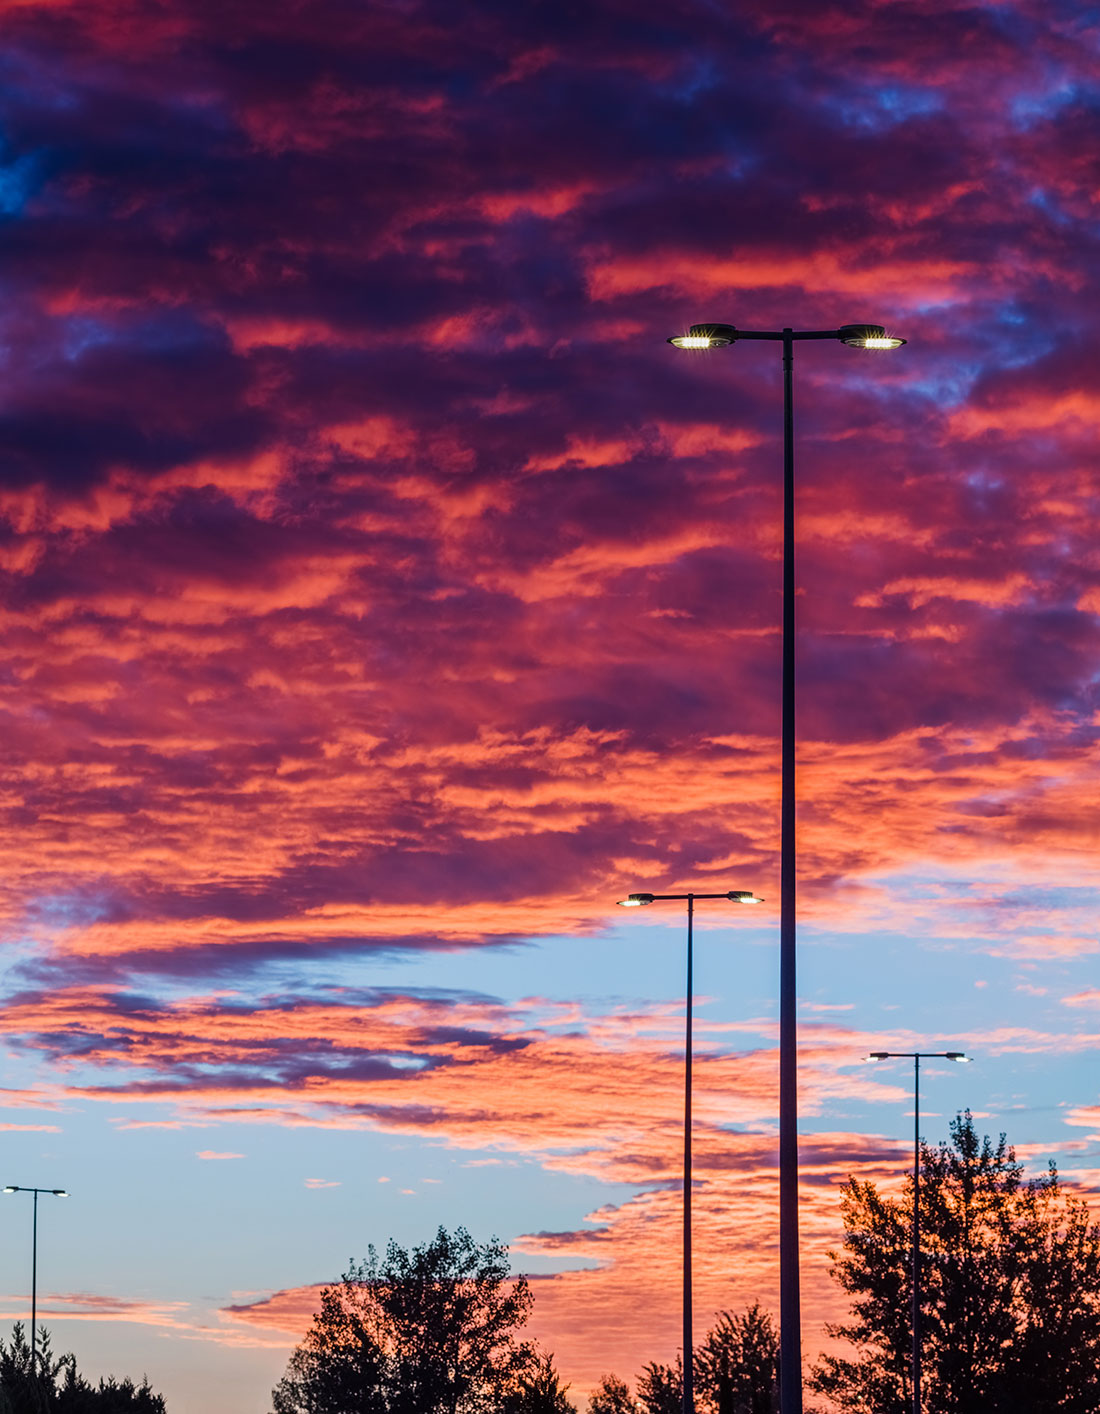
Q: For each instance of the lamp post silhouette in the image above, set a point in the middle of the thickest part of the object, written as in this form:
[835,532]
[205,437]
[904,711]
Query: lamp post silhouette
[718,336]
[640,901]
[916,1057]
[57,1193]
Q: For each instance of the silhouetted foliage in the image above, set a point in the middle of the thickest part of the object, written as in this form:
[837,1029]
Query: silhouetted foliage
[737,1365]
[340,1367]
[55,1386]
[611,1396]
[538,1390]
[1010,1279]
[426,1331]
[736,1372]
[20,1391]
[660,1388]
[110,1396]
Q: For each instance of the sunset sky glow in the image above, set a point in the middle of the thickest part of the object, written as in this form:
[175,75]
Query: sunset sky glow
[384,598]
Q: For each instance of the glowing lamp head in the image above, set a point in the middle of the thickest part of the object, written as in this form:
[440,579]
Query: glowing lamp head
[705,336]
[743,896]
[10,1188]
[868,336]
[878,1055]
[635,900]
[60,1193]
[957,1056]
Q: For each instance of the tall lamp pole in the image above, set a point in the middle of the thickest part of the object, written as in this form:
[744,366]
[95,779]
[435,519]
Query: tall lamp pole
[57,1193]
[718,336]
[640,901]
[916,1057]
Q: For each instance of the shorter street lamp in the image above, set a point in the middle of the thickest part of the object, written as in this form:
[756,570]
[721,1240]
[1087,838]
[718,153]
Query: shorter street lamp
[916,1057]
[641,901]
[57,1193]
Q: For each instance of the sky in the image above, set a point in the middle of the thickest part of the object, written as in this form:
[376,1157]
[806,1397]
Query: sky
[382,598]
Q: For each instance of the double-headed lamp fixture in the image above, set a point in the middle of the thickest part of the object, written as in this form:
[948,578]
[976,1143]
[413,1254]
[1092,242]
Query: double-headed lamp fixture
[734,896]
[720,336]
[908,1055]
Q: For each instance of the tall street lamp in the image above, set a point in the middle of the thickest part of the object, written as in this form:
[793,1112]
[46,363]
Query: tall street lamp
[57,1193]
[916,1057]
[718,336]
[640,901]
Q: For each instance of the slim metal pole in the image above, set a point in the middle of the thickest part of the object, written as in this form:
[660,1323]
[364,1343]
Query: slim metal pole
[34,1281]
[790,1317]
[688,1356]
[916,1234]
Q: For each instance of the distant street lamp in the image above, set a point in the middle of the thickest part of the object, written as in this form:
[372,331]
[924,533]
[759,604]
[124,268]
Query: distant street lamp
[916,1057]
[57,1193]
[640,901]
[720,336]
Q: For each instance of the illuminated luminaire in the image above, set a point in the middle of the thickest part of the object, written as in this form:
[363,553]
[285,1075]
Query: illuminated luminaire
[734,896]
[705,336]
[958,1056]
[720,336]
[868,336]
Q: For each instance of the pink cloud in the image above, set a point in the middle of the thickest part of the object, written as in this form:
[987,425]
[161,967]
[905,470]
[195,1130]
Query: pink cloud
[82,1306]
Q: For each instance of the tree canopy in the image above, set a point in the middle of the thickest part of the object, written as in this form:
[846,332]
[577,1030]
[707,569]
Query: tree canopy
[737,1365]
[736,1370]
[1010,1283]
[53,1385]
[431,1330]
[538,1390]
[611,1396]
[660,1388]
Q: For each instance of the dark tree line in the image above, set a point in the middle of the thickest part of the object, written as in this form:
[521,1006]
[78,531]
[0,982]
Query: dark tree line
[53,1385]
[1011,1316]
[438,1330]
[434,1330]
[1010,1279]
[736,1370]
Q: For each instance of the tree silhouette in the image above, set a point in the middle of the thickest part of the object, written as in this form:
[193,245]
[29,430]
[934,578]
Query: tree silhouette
[611,1396]
[538,1390]
[426,1331]
[26,1386]
[1010,1290]
[736,1372]
[737,1365]
[660,1388]
[56,1387]
[109,1396]
[340,1367]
